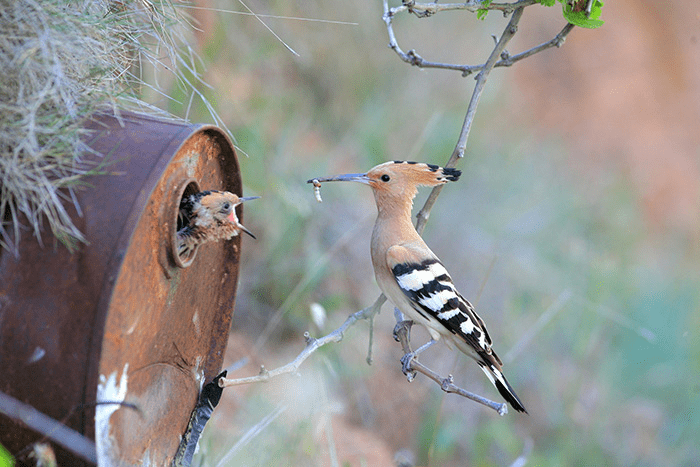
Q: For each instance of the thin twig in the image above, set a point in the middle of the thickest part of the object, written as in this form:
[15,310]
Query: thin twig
[423,10]
[521,461]
[412,57]
[542,321]
[289,18]
[446,384]
[268,28]
[556,41]
[303,283]
[47,426]
[252,433]
[370,359]
[624,321]
[311,346]
[481,78]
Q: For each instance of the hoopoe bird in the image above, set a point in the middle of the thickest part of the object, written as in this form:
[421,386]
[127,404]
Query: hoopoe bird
[208,216]
[413,278]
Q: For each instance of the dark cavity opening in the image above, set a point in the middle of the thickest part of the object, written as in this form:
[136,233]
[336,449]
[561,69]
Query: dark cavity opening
[185,259]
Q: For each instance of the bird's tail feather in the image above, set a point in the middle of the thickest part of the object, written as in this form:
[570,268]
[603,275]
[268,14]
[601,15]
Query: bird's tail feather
[496,376]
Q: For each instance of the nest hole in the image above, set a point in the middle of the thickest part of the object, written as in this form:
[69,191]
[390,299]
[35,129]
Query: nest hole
[185,258]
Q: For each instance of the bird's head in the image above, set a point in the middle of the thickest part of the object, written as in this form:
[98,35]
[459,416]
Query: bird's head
[204,217]
[214,210]
[221,206]
[398,180]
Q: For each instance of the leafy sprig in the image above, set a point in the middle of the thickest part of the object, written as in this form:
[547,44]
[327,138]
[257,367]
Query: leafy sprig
[576,12]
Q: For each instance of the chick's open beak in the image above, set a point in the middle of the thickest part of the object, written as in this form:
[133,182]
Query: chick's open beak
[246,231]
[232,217]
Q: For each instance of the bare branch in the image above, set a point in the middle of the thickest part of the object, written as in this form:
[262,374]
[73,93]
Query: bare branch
[311,346]
[556,41]
[251,434]
[542,321]
[47,426]
[413,58]
[499,52]
[521,461]
[370,358]
[269,29]
[423,10]
[294,295]
[481,78]
[402,334]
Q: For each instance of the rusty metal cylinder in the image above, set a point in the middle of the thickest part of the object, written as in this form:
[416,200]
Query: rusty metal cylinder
[123,313]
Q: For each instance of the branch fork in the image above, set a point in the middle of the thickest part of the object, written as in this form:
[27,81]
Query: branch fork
[411,366]
[499,57]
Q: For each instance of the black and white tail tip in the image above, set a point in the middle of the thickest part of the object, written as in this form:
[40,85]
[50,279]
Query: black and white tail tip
[504,388]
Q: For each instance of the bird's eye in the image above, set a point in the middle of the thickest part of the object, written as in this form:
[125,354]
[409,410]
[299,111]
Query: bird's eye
[385,178]
[226,206]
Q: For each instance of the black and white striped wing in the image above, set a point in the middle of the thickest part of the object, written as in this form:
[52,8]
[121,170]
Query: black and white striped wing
[430,289]
[431,292]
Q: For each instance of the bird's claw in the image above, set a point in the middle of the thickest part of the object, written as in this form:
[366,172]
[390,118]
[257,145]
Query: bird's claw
[403,327]
[406,361]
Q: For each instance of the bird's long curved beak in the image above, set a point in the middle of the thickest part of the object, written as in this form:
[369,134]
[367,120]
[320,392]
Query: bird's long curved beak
[247,198]
[362,178]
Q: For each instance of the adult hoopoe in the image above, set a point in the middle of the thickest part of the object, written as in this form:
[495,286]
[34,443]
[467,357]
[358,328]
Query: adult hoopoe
[412,277]
[207,216]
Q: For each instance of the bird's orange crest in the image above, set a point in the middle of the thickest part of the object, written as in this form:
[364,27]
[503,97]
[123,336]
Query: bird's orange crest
[411,173]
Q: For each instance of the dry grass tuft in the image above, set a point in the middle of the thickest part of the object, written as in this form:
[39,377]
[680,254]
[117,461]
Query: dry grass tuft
[61,62]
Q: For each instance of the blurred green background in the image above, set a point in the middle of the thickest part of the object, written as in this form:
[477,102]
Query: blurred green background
[574,230]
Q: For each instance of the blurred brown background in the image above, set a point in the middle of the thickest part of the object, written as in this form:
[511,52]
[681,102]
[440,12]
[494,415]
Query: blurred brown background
[574,230]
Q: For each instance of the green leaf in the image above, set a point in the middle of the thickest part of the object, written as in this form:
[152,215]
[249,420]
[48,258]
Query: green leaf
[579,18]
[482,12]
[547,2]
[6,459]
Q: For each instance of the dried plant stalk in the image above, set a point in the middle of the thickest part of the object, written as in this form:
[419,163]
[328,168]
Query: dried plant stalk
[61,62]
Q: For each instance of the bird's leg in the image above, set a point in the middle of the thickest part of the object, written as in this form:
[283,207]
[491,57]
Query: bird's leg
[408,358]
[402,334]
[398,316]
[425,346]
[403,328]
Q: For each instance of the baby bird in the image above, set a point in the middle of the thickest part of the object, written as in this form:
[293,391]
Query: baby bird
[208,216]
[412,277]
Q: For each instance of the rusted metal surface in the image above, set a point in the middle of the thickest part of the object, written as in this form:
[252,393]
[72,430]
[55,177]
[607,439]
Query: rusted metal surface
[123,303]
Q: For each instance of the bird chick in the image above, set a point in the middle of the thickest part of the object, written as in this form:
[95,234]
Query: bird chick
[208,216]
[413,278]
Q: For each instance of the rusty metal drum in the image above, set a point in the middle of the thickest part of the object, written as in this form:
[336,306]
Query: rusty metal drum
[123,317]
